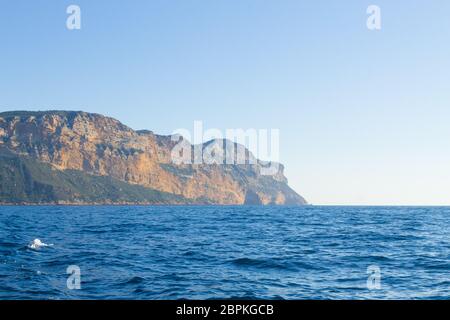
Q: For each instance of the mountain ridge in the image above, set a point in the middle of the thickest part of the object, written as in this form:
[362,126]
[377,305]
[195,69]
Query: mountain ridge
[107,156]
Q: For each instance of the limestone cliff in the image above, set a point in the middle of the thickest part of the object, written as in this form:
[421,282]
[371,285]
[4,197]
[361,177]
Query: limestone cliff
[47,154]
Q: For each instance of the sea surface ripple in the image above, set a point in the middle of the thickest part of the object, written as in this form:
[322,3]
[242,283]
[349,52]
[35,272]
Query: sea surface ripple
[224,252]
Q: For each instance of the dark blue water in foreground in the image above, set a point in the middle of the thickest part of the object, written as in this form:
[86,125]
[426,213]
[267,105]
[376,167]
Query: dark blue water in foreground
[225,252]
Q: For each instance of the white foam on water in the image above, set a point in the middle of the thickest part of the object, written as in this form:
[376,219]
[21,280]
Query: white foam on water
[37,243]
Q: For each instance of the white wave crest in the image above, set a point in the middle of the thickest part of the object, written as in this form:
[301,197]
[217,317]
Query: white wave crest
[36,244]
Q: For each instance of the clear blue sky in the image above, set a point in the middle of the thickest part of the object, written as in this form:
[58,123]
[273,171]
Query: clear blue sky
[363,115]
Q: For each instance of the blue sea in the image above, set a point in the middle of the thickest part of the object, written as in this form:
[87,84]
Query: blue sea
[209,252]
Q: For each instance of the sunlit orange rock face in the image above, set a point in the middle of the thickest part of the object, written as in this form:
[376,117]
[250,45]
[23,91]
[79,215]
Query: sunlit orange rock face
[102,146]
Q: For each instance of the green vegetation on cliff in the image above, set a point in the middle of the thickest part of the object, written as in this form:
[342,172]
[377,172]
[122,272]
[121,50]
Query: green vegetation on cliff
[24,180]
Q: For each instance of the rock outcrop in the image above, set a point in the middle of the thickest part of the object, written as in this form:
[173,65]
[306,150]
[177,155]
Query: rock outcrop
[78,157]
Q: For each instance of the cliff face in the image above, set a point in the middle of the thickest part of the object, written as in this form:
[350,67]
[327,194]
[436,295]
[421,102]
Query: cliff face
[44,149]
